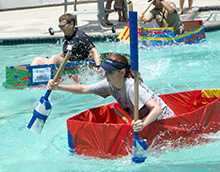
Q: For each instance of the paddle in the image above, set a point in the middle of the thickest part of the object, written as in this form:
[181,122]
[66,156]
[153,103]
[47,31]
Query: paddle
[142,15]
[42,111]
[120,115]
[123,132]
[139,146]
[124,35]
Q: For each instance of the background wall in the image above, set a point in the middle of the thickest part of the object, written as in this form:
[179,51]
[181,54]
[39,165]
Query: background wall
[13,4]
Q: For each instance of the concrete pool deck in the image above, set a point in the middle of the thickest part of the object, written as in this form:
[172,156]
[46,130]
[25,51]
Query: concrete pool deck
[34,22]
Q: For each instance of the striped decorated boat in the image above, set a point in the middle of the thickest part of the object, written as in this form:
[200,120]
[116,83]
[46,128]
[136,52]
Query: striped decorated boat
[152,37]
[23,76]
[100,132]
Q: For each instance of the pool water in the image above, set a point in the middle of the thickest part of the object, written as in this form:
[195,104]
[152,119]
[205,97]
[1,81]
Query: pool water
[208,16]
[164,70]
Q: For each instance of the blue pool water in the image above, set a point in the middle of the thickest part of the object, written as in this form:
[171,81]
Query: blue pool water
[208,15]
[164,70]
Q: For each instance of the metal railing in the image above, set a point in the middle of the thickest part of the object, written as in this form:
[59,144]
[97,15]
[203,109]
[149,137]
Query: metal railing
[101,12]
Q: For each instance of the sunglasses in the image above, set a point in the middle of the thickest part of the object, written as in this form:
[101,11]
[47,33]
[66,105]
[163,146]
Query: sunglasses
[61,26]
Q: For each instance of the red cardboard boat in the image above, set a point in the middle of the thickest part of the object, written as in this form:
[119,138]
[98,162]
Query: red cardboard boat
[100,132]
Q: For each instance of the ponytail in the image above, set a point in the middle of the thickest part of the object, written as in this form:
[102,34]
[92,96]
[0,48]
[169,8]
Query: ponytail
[130,74]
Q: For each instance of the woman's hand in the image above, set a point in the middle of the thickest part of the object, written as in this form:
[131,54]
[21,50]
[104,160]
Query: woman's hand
[137,125]
[51,85]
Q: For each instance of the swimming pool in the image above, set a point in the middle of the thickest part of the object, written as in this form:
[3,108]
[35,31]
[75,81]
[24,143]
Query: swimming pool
[164,70]
[208,16]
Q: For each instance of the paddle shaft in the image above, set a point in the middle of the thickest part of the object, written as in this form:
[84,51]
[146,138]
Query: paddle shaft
[62,66]
[59,72]
[142,15]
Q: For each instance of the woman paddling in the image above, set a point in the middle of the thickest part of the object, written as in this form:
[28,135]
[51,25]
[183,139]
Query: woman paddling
[119,83]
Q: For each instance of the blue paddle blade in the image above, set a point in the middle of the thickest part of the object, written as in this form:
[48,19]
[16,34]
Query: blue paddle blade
[139,149]
[40,114]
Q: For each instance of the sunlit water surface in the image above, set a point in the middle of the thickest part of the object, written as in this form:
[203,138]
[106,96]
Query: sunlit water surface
[208,15]
[164,70]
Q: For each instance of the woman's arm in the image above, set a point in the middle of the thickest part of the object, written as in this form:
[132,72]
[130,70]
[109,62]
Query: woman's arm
[155,112]
[76,89]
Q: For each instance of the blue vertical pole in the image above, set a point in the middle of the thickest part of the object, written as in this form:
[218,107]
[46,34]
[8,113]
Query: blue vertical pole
[133,40]
[139,146]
